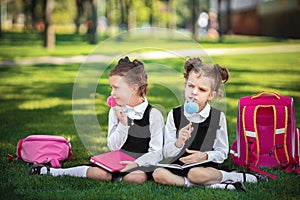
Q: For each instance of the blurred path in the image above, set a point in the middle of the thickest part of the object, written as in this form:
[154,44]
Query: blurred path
[153,55]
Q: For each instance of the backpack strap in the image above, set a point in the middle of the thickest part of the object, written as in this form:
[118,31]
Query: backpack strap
[55,163]
[280,146]
[280,134]
[250,134]
[249,115]
[19,148]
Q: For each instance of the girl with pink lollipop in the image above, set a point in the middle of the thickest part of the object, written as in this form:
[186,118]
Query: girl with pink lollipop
[135,127]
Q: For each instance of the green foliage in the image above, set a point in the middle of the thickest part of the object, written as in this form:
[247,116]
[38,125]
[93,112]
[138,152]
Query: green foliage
[64,12]
[38,100]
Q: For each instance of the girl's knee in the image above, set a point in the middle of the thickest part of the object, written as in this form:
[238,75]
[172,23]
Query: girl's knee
[156,174]
[197,176]
[98,173]
[160,175]
[136,177]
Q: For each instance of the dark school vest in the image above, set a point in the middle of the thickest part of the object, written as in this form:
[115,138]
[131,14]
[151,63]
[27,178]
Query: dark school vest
[137,142]
[203,135]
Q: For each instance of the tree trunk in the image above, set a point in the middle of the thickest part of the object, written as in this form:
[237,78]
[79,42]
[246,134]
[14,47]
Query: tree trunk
[93,29]
[228,16]
[124,23]
[172,16]
[110,15]
[1,26]
[33,16]
[149,4]
[79,6]
[195,15]
[49,34]
[220,21]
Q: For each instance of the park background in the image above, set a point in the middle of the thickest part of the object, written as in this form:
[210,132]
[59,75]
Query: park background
[44,44]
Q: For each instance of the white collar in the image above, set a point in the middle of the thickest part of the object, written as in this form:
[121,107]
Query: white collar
[199,116]
[136,112]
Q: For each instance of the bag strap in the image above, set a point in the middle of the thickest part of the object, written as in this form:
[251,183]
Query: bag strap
[19,148]
[289,164]
[265,93]
[251,138]
[70,153]
[250,134]
[55,163]
[280,134]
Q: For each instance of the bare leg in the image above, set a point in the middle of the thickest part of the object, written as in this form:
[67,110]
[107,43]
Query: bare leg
[136,177]
[164,176]
[98,173]
[204,176]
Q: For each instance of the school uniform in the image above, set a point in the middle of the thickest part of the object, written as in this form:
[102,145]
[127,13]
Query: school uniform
[206,130]
[142,137]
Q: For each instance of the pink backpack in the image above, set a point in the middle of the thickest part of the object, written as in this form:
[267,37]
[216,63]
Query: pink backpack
[266,133]
[42,149]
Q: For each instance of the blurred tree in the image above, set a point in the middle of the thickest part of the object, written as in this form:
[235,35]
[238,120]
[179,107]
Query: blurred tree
[124,15]
[79,14]
[183,14]
[149,4]
[92,23]
[220,21]
[1,33]
[172,14]
[195,8]
[64,12]
[49,34]
[228,11]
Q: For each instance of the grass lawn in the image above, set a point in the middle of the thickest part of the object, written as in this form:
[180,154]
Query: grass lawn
[38,100]
[14,46]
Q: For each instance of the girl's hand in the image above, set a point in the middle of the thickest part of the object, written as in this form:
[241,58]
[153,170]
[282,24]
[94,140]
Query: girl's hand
[120,115]
[183,135]
[194,157]
[129,165]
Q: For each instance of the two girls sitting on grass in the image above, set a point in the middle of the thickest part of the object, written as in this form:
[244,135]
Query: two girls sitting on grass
[188,137]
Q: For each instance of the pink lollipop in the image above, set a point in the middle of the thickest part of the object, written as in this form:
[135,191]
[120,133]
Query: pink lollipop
[111,101]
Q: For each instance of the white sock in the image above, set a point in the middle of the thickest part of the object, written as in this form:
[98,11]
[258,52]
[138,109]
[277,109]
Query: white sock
[187,183]
[79,171]
[237,177]
[221,186]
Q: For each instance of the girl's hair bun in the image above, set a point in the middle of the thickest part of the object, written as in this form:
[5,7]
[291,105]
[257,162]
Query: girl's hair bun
[224,73]
[124,60]
[137,63]
[191,63]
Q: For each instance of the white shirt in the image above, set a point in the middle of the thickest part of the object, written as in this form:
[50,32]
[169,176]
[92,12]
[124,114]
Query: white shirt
[221,144]
[118,133]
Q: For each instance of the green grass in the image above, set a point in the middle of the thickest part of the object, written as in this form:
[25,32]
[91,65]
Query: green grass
[14,46]
[38,100]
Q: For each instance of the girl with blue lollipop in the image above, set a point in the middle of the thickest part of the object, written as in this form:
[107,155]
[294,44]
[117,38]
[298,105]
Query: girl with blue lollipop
[197,132]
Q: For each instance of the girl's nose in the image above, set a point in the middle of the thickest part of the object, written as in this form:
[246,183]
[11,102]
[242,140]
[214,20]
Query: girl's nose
[112,92]
[195,91]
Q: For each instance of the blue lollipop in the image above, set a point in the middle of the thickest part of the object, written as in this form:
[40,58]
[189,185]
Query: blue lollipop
[191,107]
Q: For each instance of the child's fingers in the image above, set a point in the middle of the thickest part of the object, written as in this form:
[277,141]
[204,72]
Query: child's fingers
[187,127]
[193,157]
[191,151]
[186,131]
[118,110]
[129,165]
[187,159]
[125,162]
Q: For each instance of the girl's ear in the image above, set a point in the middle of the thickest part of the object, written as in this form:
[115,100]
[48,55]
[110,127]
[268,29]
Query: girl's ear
[135,87]
[211,95]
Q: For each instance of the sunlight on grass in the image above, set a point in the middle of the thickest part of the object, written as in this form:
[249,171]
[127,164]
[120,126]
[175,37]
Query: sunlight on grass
[43,104]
